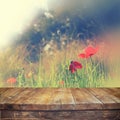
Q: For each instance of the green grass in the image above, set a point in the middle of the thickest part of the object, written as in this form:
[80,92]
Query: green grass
[91,75]
[49,71]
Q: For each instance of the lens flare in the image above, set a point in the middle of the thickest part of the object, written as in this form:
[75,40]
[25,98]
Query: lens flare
[15,15]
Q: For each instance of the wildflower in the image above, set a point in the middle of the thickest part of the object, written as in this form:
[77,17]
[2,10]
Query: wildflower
[89,51]
[61,82]
[12,80]
[74,66]
[29,75]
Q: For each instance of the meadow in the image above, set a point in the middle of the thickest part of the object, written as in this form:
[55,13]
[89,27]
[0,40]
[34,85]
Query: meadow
[53,67]
[65,46]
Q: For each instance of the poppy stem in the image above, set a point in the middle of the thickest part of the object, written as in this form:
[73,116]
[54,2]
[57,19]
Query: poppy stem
[91,60]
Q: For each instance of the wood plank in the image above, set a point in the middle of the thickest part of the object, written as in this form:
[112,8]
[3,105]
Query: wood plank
[49,99]
[42,96]
[63,115]
[25,93]
[109,100]
[114,91]
[9,102]
[18,103]
[40,101]
[63,98]
[25,100]
[85,100]
[109,95]
[28,94]
[2,90]
[59,99]
[0,115]
[9,94]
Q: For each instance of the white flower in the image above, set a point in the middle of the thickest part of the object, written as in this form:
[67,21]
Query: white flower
[48,15]
[47,47]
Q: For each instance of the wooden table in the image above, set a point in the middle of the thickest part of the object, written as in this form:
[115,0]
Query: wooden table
[60,104]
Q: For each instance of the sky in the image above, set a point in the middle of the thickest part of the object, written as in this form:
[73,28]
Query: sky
[15,15]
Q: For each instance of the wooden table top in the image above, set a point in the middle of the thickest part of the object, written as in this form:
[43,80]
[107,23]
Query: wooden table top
[59,98]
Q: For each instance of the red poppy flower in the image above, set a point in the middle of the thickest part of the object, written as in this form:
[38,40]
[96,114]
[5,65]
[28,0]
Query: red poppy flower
[89,51]
[74,66]
[11,80]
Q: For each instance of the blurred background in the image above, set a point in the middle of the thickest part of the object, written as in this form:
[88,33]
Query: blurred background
[39,38]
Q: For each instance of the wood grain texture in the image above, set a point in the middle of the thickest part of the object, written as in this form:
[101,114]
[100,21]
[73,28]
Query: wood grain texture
[3,90]
[62,115]
[85,100]
[0,115]
[59,98]
[109,100]
[59,104]
[115,91]
[63,99]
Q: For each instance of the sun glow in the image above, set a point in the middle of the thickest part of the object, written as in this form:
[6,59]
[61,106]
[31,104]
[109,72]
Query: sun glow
[15,15]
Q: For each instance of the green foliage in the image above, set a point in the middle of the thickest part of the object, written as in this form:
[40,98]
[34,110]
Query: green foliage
[89,76]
